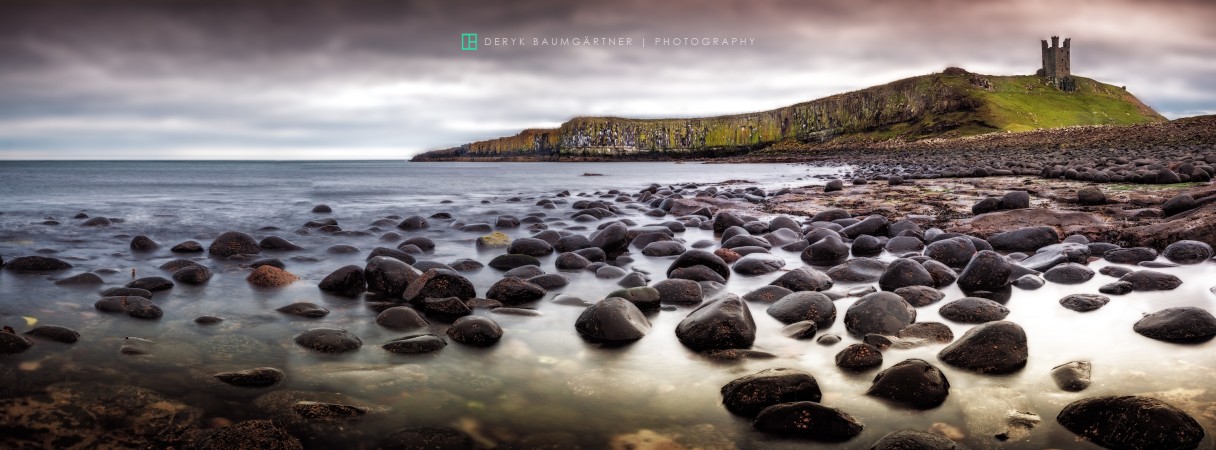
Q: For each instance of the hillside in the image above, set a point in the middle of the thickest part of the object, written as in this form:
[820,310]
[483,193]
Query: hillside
[954,103]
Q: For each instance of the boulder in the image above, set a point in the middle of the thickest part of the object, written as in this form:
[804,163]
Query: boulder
[514,291]
[987,271]
[439,283]
[475,331]
[679,292]
[1182,324]
[388,276]
[973,310]
[234,243]
[329,340]
[913,382]
[722,324]
[36,264]
[1188,252]
[904,272]
[993,347]
[805,305]
[881,313]
[1024,239]
[703,258]
[1084,302]
[748,395]
[804,279]
[347,280]
[613,319]
[859,357]
[1148,280]
[808,420]
[1073,376]
[401,317]
[1131,422]
[914,440]
[421,343]
[1069,273]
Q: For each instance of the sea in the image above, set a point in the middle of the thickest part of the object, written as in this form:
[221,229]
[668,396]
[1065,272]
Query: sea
[541,382]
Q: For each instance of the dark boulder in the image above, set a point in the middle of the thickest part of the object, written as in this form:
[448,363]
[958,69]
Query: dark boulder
[421,343]
[187,247]
[918,296]
[277,243]
[859,357]
[80,279]
[143,243]
[388,277]
[329,340]
[439,283]
[679,292]
[703,258]
[514,291]
[1069,273]
[805,305]
[904,272]
[1134,255]
[1183,324]
[915,440]
[1188,252]
[987,271]
[256,377]
[36,264]
[993,347]
[54,333]
[1024,239]
[476,331]
[808,420]
[767,294]
[1084,302]
[858,270]
[192,275]
[401,317]
[758,264]
[249,434]
[613,239]
[880,313]
[913,382]
[1148,280]
[750,394]
[12,343]
[1178,204]
[530,246]
[152,284]
[804,279]
[644,297]
[1131,422]
[413,223]
[613,319]
[722,324]
[1074,376]
[234,243]
[512,260]
[973,310]
[828,251]
[347,280]
[1091,196]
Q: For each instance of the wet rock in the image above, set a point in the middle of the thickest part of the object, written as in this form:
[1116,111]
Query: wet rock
[392,253]
[1183,325]
[722,324]
[304,309]
[1024,239]
[828,340]
[703,258]
[932,332]
[1133,255]
[987,271]
[193,275]
[234,243]
[413,223]
[427,438]
[1178,204]
[986,205]
[833,185]
[880,313]
[805,329]
[866,245]
[1115,271]
[973,310]
[918,296]
[748,395]
[439,283]
[80,279]
[143,243]
[259,434]
[12,343]
[828,251]
[401,317]
[97,222]
[350,280]
[152,284]
[613,319]
[524,272]
[1069,273]
[53,333]
[422,343]
[95,415]
[610,272]
[679,292]
[1188,252]
[1091,196]
[1148,280]
[36,264]
[858,270]
[475,331]
[767,294]
[257,377]
[612,239]
[1073,376]
[904,244]
[697,273]
[804,279]
[808,420]
[873,226]
[278,243]
[859,357]
[758,264]
[914,440]
[187,247]
[1116,288]
[1131,422]
[530,246]
[268,262]
[571,261]
[329,340]
[208,320]
[993,347]
[550,281]
[644,297]
[904,272]
[942,276]
[137,307]
[270,277]
[663,248]
[913,382]
[511,260]
[514,291]
[125,292]
[447,309]
[806,305]
[1084,302]
[492,241]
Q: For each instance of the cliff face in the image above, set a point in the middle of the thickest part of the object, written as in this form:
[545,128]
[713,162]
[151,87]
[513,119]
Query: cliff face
[951,104]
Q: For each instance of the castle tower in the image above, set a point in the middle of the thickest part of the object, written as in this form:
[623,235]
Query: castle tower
[1057,65]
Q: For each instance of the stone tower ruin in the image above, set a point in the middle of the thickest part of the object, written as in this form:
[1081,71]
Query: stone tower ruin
[1057,68]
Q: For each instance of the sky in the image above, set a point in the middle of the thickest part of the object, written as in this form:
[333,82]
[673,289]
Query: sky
[299,79]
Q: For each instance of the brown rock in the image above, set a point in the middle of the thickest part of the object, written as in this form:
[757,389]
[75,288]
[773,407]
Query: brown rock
[270,276]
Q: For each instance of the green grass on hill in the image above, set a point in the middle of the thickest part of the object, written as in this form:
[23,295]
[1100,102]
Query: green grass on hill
[1023,103]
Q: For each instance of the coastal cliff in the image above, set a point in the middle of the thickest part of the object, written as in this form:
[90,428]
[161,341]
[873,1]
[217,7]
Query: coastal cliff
[951,104]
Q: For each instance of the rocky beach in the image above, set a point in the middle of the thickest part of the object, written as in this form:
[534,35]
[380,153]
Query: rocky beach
[860,306]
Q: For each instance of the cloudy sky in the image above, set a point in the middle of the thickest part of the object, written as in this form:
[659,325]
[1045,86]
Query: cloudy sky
[250,79]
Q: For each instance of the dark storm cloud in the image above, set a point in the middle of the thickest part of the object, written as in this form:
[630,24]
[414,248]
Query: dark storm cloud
[375,79]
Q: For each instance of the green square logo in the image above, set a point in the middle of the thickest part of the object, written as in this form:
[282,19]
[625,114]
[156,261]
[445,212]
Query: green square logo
[468,41]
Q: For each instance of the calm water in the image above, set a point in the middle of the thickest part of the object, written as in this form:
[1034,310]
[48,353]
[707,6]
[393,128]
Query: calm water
[541,377]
